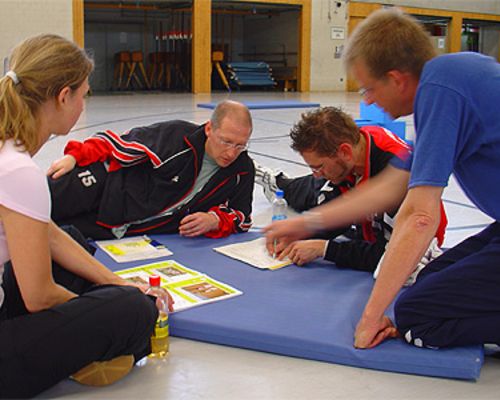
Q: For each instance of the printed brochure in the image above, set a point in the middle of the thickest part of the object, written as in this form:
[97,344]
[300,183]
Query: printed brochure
[133,249]
[188,287]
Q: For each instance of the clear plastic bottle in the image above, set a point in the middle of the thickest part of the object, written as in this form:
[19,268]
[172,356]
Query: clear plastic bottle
[160,337]
[280,206]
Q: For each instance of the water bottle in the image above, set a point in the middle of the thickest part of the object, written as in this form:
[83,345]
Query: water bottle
[160,337]
[280,206]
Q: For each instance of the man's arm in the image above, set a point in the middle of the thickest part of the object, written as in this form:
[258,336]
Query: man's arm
[381,193]
[304,251]
[229,220]
[222,220]
[356,253]
[416,224]
[236,215]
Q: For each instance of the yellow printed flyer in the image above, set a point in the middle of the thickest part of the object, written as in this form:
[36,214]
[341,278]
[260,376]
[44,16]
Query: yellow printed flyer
[188,287]
[133,249]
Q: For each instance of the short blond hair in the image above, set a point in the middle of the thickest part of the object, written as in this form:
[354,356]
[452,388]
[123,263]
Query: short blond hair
[389,39]
[44,64]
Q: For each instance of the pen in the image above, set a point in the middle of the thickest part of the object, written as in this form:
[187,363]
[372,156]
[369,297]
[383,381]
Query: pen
[153,242]
[275,242]
[156,244]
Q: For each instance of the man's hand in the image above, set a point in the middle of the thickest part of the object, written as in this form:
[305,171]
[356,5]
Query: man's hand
[370,333]
[198,223]
[61,166]
[281,233]
[304,251]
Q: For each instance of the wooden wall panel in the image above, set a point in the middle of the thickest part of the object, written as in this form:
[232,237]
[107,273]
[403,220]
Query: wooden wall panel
[304,50]
[202,46]
[78,23]
[455,34]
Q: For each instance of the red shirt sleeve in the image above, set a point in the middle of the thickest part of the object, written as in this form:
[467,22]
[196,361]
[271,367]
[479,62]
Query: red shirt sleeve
[230,221]
[90,151]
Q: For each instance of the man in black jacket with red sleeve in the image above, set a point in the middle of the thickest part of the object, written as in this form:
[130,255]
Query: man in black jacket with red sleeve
[173,176]
[341,155]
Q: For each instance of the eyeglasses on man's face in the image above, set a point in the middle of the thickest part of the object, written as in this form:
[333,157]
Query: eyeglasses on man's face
[230,145]
[372,85]
[365,92]
[316,169]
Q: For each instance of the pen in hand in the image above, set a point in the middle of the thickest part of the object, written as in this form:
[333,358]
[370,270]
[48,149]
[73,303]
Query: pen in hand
[275,242]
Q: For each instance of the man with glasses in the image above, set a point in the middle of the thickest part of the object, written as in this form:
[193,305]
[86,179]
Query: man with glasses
[341,155]
[173,176]
[454,99]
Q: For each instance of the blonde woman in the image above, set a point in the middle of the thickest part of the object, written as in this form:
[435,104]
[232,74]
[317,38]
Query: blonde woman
[62,313]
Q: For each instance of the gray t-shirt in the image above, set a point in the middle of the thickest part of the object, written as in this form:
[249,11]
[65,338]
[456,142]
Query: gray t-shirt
[208,169]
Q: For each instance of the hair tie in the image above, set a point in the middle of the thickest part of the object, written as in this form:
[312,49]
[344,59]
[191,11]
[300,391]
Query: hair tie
[12,75]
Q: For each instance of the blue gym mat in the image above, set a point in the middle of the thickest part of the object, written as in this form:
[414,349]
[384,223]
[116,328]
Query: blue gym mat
[261,105]
[308,312]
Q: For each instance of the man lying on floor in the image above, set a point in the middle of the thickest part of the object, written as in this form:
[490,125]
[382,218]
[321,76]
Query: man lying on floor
[341,155]
[173,176]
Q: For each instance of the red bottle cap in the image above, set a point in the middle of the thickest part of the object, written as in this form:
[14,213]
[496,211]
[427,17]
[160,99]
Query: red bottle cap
[154,280]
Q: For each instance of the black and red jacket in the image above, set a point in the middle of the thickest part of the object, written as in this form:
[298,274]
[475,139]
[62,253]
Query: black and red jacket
[368,245]
[152,168]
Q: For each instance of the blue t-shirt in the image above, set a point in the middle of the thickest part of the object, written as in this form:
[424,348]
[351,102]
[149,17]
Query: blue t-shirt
[457,124]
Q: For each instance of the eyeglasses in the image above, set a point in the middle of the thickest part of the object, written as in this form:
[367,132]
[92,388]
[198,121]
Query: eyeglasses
[365,91]
[368,91]
[238,147]
[317,170]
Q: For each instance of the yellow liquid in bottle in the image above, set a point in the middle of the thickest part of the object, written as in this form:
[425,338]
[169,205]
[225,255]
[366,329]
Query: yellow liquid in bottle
[160,337]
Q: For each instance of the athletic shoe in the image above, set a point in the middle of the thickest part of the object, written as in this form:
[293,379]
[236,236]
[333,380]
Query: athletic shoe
[433,252]
[266,177]
[103,373]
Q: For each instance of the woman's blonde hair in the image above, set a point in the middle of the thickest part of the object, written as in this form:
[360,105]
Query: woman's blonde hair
[44,64]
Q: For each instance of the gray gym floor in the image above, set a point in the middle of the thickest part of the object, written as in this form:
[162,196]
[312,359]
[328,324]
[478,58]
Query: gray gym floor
[196,370]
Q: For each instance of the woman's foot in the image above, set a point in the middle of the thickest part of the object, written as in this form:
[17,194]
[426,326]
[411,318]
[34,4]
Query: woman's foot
[102,373]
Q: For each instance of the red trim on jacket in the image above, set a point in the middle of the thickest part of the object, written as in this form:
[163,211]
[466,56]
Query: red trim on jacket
[387,141]
[136,146]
